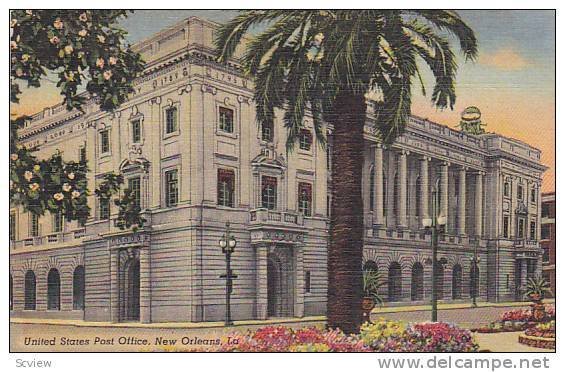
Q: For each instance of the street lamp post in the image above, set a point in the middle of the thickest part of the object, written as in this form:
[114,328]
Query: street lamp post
[476,281]
[435,224]
[228,243]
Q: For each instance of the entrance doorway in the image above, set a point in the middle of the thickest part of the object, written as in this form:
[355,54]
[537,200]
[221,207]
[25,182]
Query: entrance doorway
[280,283]
[129,304]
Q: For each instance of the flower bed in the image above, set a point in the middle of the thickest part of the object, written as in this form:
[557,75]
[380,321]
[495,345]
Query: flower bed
[382,336]
[545,330]
[515,320]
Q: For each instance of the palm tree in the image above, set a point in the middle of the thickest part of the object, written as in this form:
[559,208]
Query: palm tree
[324,62]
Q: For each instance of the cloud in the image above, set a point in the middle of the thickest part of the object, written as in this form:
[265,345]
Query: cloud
[505,59]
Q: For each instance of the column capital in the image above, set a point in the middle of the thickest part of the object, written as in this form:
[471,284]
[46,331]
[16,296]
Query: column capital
[404,152]
[425,158]
[463,168]
[446,163]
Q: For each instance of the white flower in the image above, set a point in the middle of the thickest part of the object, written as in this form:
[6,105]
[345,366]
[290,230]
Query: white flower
[19,72]
[29,12]
[69,49]
[58,24]
[28,175]
[58,196]
[100,62]
[14,157]
[83,17]
[75,194]
[67,187]
[112,60]
[71,176]
[318,39]
[101,38]
[82,33]
[13,45]
[34,186]
[107,75]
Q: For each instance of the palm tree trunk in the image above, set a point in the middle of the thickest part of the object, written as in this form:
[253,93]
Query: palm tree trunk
[345,249]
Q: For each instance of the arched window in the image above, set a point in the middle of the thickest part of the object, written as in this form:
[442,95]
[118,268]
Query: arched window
[474,276]
[372,188]
[439,280]
[29,291]
[370,265]
[53,290]
[78,288]
[456,278]
[394,282]
[418,196]
[11,293]
[417,283]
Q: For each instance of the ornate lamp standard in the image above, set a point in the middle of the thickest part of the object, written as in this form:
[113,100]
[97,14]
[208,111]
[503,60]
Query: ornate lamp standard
[436,225]
[228,243]
[475,278]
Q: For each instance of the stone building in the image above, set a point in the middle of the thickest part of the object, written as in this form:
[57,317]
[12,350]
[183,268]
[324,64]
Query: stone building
[547,238]
[188,145]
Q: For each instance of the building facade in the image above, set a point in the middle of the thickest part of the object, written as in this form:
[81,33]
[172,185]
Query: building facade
[188,145]
[548,237]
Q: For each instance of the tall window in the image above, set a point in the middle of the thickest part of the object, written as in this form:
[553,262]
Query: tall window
[33,224]
[82,154]
[53,290]
[506,189]
[12,226]
[545,210]
[136,131]
[134,184]
[417,283]
[105,141]
[545,231]
[172,188]
[545,256]
[506,227]
[440,273]
[268,192]
[226,187]
[521,228]
[456,281]
[171,120]
[305,140]
[533,196]
[520,192]
[418,196]
[104,208]
[78,288]
[372,189]
[533,232]
[226,119]
[57,222]
[29,290]
[267,132]
[394,282]
[307,282]
[305,198]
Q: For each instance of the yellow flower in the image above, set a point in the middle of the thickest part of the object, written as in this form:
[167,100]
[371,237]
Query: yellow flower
[58,24]
[83,17]
[28,175]
[69,49]
[67,187]
[34,186]
[14,157]
[36,168]
[107,74]
[58,196]
[25,57]
[101,38]
[100,62]
[70,76]
[82,33]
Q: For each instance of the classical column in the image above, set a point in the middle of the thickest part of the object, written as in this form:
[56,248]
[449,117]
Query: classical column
[390,217]
[145,285]
[114,285]
[261,252]
[479,204]
[378,207]
[424,184]
[444,197]
[402,194]
[461,207]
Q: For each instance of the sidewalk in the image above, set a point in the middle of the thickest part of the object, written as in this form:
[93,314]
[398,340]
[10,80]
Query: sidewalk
[255,322]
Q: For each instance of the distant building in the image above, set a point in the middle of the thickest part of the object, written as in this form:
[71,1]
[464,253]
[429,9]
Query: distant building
[189,147]
[548,237]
